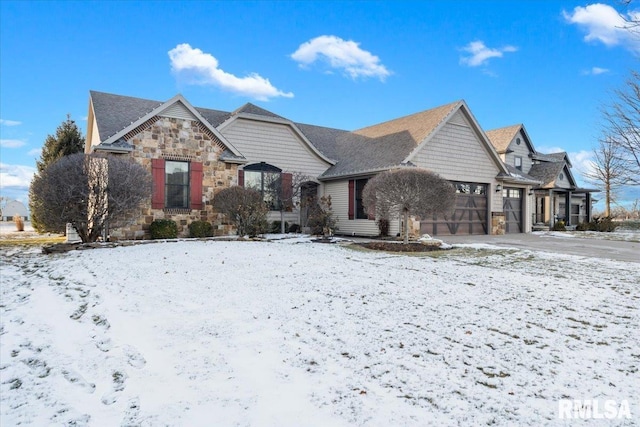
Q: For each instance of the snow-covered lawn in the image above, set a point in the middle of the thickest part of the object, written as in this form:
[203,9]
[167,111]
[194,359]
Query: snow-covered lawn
[290,333]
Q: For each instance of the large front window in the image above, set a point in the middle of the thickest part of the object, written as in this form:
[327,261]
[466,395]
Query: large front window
[176,185]
[266,179]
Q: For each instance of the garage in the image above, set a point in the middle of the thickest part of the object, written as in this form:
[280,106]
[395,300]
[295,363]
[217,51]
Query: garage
[469,217]
[512,207]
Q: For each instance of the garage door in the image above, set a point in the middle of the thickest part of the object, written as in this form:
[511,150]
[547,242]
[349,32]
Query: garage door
[512,206]
[470,216]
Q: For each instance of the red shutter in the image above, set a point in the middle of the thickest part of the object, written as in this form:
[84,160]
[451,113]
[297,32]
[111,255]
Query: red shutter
[240,177]
[157,173]
[287,191]
[195,185]
[352,198]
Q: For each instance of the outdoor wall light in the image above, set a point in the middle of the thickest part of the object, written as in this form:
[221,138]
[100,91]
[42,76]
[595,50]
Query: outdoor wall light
[498,188]
[531,192]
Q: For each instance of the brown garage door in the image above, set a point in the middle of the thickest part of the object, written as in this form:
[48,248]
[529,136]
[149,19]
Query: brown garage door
[512,206]
[470,216]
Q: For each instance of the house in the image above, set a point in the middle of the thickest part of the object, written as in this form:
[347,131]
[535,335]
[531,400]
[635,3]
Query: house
[12,209]
[557,197]
[194,152]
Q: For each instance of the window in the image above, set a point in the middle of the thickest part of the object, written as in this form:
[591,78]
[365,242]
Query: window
[517,141]
[176,180]
[266,179]
[471,188]
[360,214]
[176,184]
[561,177]
[356,207]
[518,162]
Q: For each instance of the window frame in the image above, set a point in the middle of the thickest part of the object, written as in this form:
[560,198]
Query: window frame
[517,162]
[170,188]
[269,196]
[359,211]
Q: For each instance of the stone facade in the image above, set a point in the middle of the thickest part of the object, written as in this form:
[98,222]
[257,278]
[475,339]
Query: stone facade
[183,140]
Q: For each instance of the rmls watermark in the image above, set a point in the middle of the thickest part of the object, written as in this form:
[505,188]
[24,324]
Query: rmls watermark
[593,409]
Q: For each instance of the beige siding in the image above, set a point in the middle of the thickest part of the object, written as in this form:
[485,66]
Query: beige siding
[520,150]
[339,192]
[177,111]
[456,153]
[564,181]
[275,144]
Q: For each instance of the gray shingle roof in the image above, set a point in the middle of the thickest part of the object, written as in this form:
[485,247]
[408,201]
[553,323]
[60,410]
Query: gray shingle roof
[369,149]
[546,172]
[115,112]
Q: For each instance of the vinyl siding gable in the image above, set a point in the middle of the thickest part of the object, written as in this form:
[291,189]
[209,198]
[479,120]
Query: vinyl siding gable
[519,150]
[274,143]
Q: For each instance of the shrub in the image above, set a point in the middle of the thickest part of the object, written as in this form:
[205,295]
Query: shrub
[244,208]
[321,218]
[200,229]
[276,227]
[383,227]
[582,226]
[559,226]
[603,224]
[163,229]
[294,228]
[19,222]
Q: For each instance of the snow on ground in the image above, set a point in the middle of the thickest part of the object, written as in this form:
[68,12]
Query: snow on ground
[289,334]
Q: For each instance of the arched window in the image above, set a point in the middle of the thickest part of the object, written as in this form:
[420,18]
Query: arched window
[267,179]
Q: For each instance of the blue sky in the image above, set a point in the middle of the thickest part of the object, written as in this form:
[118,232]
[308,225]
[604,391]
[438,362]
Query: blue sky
[548,64]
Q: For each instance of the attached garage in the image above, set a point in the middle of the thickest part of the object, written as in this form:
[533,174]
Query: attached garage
[512,207]
[469,217]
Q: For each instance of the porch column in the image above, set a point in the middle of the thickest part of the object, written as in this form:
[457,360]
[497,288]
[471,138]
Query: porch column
[552,210]
[567,208]
[588,206]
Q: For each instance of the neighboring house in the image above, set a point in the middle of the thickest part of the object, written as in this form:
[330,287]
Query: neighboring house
[557,197]
[14,208]
[193,153]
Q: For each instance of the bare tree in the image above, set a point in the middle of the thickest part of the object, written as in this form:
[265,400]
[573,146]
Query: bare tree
[244,207]
[408,191]
[608,171]
[90,192]
[286,189]
[622,128]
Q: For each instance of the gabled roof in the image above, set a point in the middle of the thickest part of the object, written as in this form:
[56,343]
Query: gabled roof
[115,110]
[250,108]
[395,142]
[553,157]
[502,137]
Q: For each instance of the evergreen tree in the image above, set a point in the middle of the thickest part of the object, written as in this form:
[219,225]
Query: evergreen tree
[67,140]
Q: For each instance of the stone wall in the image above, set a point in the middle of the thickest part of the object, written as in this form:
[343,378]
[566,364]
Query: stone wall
[183,140]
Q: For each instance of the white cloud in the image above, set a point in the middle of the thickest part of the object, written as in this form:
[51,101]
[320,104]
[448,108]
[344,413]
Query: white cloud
[11,143]
[16,176]
[604,24]
[35,152]
[201,68]
[597,70]
[341,54]
[4,122]
[480,53]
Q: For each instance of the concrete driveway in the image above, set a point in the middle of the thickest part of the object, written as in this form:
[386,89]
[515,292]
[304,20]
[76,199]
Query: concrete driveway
[610,249]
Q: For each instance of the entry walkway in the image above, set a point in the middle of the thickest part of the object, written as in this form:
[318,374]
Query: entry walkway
[609,249]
